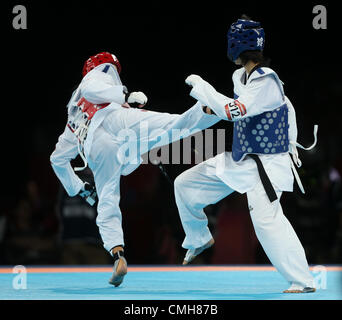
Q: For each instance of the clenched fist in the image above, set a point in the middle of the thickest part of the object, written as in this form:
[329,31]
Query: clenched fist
[138,98]
[193,79]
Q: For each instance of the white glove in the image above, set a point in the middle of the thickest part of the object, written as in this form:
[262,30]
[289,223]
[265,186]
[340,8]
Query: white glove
[136,97]
[193,79]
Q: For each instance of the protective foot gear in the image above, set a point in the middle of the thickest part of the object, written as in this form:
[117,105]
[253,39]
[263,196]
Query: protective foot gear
[295,288]
[119,269]
[192,253]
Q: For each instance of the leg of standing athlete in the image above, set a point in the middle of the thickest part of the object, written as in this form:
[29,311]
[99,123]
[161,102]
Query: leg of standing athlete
[107,171]
[278,238]
[194,190]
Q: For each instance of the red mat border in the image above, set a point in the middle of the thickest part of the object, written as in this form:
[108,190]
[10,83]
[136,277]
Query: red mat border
[78,269]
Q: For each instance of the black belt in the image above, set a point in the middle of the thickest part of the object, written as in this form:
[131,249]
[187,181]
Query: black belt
[264,178]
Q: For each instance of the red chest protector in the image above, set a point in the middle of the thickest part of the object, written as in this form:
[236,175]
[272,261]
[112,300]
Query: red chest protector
[80,122]
[89,108]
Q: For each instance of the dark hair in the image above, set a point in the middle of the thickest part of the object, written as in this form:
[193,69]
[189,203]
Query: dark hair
[245,17]
[253,55]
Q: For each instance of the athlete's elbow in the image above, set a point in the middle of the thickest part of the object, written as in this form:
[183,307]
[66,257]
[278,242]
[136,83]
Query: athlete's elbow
[55,160]
[88,94]
[89,90]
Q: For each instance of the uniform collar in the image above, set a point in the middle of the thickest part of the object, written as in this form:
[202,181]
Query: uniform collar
[245,77]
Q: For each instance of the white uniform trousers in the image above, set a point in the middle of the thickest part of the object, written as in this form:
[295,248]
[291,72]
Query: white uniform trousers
[199,186]
[107,166]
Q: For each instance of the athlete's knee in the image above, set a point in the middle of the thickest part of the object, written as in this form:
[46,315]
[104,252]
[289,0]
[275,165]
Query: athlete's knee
[107,207]
[181,184]
[267,225]
[108,216]
[263,225]
[186,194]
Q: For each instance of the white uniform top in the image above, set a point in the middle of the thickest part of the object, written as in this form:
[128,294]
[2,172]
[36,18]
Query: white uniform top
[97,87]
[261,93]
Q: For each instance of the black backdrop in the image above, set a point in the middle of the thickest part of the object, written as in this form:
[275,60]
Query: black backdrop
[159,45]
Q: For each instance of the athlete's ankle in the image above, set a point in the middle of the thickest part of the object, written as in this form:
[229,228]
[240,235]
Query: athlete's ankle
[116,249]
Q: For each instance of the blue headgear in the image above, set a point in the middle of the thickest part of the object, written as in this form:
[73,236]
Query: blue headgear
[244,35]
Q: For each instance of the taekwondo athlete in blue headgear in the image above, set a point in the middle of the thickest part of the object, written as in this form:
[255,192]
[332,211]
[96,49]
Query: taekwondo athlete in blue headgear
[264,136]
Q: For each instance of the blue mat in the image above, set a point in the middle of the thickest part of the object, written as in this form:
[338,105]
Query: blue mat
[164,285]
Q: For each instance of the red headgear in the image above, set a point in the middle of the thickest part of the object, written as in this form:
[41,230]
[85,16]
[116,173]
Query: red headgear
[100,58]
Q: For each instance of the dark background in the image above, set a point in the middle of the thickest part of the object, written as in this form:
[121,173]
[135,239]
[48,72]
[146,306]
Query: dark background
[158,46]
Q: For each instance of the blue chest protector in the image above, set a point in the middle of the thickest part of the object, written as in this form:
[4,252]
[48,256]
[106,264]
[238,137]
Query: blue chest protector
[266,133]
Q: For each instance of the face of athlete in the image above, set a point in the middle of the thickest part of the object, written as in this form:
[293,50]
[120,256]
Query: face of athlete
[238,62]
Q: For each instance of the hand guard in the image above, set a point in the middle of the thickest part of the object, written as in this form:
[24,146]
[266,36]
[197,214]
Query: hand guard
[88,193]
[192,80]
[138,98]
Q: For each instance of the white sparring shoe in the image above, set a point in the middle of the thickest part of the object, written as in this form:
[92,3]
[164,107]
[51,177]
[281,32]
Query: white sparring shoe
[119,269]
[192,253]
[296,288]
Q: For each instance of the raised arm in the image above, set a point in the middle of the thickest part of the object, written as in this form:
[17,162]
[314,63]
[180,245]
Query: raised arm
[99,87]
[263,95]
